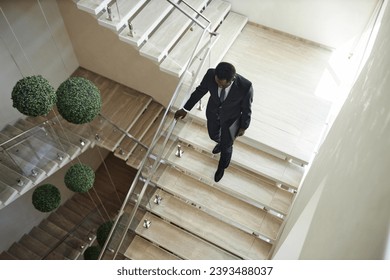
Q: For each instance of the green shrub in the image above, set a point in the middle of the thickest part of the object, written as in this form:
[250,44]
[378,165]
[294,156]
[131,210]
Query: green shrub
[46,198]
[78,100]
[33,96]
[79,178]
[92,253]
[103,231]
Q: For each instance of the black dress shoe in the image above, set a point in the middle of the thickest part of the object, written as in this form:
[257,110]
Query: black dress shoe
[217,149]
[219,174]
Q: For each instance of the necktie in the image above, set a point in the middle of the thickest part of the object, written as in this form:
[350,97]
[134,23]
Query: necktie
[222,95]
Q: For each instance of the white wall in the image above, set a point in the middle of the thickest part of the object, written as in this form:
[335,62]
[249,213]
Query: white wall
[351,220]
[33,40]
[99,49]
[331,23]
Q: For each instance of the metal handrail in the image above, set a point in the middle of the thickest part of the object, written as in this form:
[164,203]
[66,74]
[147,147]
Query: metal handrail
[206,30]
[191,17]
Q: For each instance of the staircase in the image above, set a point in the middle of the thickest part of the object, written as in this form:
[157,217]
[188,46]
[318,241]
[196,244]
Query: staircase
[176,210]
[68,231]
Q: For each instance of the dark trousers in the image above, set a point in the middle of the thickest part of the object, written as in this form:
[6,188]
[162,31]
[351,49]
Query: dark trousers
[220,134]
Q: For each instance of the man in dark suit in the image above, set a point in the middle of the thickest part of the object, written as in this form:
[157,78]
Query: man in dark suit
[228,110]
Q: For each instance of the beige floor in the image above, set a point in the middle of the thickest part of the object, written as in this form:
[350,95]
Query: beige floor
[290,110]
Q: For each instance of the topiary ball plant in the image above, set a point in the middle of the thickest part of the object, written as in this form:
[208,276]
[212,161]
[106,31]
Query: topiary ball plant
[79,178]
[92,253]
[46,198]
[33,96]
[103,231]
[78,100]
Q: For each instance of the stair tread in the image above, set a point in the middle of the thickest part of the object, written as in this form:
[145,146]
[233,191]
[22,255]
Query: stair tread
[50,241]
[179,56]
[84,201]
[141,249]
[25,169]
[70,215]
[44,237]
[169,31]
[7,194]
[58,227]
[198,222]
[57,224]
[244,185]
[219,204]
[63,133]
[34,150]
[55,256]
[50,235]
[123,101]
[22,253]
[117,102]
[139,152]
[121,11]
[77,207]
[6,256]
[139,129]
[92,6]
[183,244]
[22,153]
[46,135]
[271,167]
[34,245]
[146,21]
[11,178]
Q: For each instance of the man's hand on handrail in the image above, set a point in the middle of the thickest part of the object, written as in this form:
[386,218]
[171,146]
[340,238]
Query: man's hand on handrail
[180,114]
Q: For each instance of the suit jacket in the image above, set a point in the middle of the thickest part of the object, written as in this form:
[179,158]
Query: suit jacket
[237,104]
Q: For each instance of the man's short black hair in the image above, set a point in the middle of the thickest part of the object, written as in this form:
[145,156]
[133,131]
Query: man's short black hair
[225,71]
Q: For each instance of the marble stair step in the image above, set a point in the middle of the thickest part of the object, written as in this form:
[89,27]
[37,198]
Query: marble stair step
[215,231]
[121,11]
[7,194]
[178,58]
[15,179]
[93,7]
[142,249]
[63,133]
[139,151]
[123,105]
[180,242]
[236,181]
[145,22]
[34,150]
[23,153]
[221,205]
[24,168]
[138,130]
[281,171]
[170,30]
[48,135]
